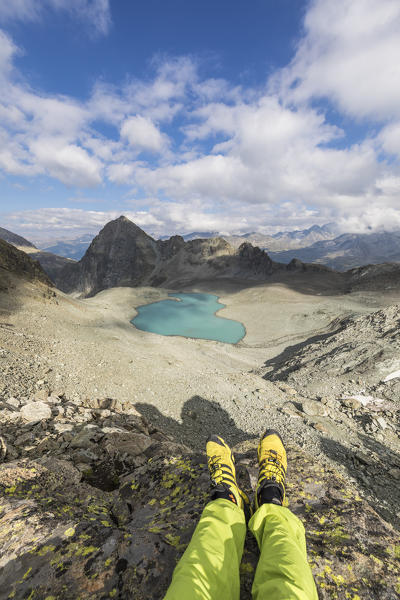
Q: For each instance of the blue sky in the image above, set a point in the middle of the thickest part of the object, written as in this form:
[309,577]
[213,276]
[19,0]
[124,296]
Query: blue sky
[229,116]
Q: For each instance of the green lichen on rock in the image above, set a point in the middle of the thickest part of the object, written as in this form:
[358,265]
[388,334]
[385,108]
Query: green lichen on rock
[63,538]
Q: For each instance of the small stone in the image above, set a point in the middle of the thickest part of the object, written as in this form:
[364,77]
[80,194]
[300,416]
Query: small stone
[313,408]
[13,402]
[40,382]
[85,456]
[35,411]
[352,403]
[364,459]
[62,427]
[381,422]
[24,438]
[41,395]
[395,473]
[132,444]
[290,409]
[53,399]
[320,427]
[86,437]
[284,387]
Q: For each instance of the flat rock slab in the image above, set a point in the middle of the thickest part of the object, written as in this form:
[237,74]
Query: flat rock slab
[35,411]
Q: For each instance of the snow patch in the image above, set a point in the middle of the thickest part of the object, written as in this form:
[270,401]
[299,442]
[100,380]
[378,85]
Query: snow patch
[393,375]
[365,400]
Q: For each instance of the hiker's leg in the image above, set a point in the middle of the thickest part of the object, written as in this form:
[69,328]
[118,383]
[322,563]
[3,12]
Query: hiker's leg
[209,567]
[283,572]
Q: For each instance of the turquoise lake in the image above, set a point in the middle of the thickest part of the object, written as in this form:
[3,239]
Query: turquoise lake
[190,315]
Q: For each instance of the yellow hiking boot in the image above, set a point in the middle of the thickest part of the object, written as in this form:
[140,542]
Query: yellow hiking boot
[272,462]
[221,464]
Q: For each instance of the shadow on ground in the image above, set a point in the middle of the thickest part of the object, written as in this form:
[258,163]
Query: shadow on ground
[274,365]
[370,471]
[200,418]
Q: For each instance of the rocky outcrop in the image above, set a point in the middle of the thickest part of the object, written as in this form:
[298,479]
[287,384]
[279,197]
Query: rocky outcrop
[98,503]
[253,260]
[383,277]
[14,262]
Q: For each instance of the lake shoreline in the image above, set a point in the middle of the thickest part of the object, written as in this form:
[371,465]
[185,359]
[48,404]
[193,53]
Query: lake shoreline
[150,318]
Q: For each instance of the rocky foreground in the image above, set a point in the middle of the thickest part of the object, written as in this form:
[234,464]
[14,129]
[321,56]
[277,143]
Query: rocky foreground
[98,503]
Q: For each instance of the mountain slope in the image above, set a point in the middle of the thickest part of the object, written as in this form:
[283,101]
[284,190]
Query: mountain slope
[51,263]
[367,345]
[15,263]
[15,240]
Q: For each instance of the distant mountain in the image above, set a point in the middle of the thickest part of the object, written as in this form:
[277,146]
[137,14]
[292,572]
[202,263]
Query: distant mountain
[347,251]
[310,235]
[51,263]
[200,234]
[285,240]
[122,254]
[74,248]
[194,235]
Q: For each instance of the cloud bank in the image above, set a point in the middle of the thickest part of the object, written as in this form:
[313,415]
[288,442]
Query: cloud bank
[199,153]
[96,13]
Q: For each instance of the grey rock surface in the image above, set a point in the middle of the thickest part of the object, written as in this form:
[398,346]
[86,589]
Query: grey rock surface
[35,411]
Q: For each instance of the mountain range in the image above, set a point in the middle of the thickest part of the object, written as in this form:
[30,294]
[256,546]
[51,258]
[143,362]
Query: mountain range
[122,254]
[317,244]
[347,250]
[285,240]
[73,248]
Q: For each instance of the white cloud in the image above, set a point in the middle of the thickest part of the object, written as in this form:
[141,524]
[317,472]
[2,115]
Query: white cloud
[121,173]
[95,12]
[141,133]
[350,55]
[389,138]
[241,159]
[69,163]
[7,51]
[270,154]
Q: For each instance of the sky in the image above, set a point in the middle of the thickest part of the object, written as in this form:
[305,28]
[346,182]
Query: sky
[229,116]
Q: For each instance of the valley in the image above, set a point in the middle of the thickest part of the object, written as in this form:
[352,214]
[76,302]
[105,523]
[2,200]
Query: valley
[312,365]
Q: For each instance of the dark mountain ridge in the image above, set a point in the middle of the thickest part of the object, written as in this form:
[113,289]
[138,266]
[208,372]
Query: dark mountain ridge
[14,239]
[122,254]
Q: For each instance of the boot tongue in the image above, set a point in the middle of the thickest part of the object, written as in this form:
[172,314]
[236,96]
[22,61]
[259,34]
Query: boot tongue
[270,494]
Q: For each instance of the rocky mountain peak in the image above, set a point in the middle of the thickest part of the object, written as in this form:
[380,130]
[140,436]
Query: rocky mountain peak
[122,226]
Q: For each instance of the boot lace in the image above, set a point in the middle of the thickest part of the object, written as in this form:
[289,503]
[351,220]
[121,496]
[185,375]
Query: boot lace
[271,468]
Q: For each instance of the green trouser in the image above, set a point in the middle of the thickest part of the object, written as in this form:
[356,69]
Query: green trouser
[209,567]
